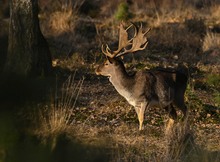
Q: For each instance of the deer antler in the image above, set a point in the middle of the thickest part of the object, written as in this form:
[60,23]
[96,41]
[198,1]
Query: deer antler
[138,42]
[123,42]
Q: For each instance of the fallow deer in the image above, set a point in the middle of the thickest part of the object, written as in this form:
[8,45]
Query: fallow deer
[143,89]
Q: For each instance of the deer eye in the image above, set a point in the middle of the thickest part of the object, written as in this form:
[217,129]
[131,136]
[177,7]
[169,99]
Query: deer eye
[106,64]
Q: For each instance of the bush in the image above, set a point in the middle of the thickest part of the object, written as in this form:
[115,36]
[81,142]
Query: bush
[122,12]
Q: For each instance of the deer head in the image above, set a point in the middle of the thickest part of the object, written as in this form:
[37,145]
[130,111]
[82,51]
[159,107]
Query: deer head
[125,46]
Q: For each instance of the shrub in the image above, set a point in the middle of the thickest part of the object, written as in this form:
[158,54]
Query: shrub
[122,12]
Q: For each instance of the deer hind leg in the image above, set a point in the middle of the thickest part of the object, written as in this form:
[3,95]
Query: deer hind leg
[172,112]
[183,108]
[172,117]
[179,101]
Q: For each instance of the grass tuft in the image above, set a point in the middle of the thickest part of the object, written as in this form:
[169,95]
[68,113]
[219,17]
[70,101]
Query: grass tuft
[179,142]
[56,118]
[62,21]
[62,18]
[211,41]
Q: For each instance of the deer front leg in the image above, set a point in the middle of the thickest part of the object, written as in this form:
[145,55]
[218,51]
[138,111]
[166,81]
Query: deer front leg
[169,126]
[140,109]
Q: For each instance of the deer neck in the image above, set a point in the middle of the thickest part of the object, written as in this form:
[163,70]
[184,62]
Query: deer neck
[122,82]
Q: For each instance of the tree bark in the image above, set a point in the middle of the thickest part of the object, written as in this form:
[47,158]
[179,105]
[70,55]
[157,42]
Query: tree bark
[28,51]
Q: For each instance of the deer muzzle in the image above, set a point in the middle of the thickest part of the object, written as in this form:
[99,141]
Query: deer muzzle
[97,71]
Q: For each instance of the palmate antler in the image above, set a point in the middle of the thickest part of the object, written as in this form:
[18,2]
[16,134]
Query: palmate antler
[138,42]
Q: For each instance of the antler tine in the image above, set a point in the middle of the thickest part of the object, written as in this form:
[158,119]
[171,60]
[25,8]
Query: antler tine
[122,42]
[147,31]
[106,51]
[123,39]
[135,30]
[129,26]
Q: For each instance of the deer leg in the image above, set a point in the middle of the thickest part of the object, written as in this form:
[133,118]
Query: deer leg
[183,108]
[172,112]
[137,109]
[180,104]
[169,126]
[172,118]
[140,109]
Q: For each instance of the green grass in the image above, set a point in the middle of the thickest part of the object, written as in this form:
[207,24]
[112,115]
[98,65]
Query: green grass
[213,80]
[217,98]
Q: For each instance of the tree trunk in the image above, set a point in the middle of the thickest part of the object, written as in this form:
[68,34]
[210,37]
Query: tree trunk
[28,51]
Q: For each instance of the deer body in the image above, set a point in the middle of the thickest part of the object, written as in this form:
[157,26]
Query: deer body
[144,89]
[147,88]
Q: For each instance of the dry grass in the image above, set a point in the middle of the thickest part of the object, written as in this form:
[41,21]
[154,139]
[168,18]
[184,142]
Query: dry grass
[211,41]
[181,146]
[179,142]
[128,144]
[214,14]
[62,21]
[56,118]
[167,14]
